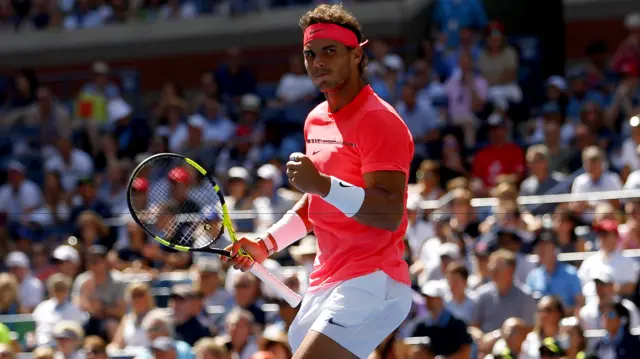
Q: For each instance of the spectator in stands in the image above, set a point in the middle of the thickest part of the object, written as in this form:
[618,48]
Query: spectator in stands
[238,153]
[421,118]
[209,348]
[95,347]
[591,313]
[100,292]
[208,89]
[131,134]
[507,343]
[549,313]
[419,231]
[234,78]
[460,300]
[55,210]
[629,49]
[157,324]
[580,95]
[630,230]
[498,63]
[240,338]
[626,97]
[92,101]
[595,179]
[247,295]
[130,332]
[629,160]
[467,92]
[295,86]
[619,342]
[188,327]
[554,278]
[560,153]
[44,352]
[57,308]
[464,219]
[31,288]
[592,116]
[93,230]
[113,190]
[69,338]
[275,341]
[171,124]
[450,16]
[502,298]
[88,200]
[501,156]
[174,9]
[542,180]
[9,295]
[19,196]
[448,334]
[271,202]
[23,89]
[209,283]
[448,253]
[625,271]
[67,260]
[572,338]
[428,182]
[72,163]
[218,129]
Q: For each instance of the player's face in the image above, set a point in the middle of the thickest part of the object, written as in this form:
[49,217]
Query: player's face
[330,63]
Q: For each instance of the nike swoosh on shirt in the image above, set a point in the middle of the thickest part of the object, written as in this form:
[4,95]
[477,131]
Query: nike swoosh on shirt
[314,152]
[332,322]
[342,184]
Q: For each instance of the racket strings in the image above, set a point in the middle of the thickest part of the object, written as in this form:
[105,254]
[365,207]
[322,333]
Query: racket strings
[176,213]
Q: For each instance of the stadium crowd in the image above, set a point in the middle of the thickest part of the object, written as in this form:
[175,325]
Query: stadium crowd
[93,285]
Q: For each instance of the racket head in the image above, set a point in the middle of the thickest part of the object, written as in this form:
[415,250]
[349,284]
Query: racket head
[176,202]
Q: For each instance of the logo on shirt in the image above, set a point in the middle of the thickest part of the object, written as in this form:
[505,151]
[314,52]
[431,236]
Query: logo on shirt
[342,184]
[315,151]
[330,142]
[332,322]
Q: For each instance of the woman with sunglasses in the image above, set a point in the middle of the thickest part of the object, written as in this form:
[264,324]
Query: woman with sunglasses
[618,343]
[550,313]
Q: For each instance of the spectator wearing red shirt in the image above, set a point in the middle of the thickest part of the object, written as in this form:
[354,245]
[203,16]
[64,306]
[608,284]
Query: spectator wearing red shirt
[500,157]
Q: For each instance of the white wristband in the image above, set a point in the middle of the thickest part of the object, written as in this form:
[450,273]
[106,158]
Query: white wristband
[345,196]
[288,230]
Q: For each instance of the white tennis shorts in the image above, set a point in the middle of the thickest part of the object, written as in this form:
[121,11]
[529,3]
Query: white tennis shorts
[358,313]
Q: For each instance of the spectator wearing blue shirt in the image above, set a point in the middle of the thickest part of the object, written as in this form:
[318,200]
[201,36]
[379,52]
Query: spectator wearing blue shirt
[580,95]
[452,15]
[450,57]
[553,277]
[421,119]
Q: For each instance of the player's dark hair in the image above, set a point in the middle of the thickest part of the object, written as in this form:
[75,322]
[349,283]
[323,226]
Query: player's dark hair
[338,15]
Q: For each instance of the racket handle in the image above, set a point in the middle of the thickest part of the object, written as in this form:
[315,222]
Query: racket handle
[274,283]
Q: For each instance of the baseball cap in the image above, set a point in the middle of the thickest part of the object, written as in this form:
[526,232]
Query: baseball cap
[450,250]
[66,253]
[183,291]
[197,121]
[496,120]
[179,175]
[118,109]
[100,67]
[208,265]
[603,274]
[140,184]
[434,289]
[239,173]
[558,82]
[66,333]
[163,344]
[16,260]
[250,102]
[268,171]
[606,226]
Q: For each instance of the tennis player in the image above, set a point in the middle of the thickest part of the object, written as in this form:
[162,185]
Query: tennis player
[354,176]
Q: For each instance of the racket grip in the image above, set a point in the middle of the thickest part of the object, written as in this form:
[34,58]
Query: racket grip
[274,283]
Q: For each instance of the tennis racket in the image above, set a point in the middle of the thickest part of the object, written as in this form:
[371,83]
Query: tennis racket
[180,205]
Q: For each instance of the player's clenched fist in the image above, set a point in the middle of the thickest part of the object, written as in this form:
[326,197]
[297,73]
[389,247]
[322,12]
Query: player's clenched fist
[304,175]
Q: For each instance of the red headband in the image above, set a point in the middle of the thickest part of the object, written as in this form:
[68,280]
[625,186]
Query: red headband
[331,32]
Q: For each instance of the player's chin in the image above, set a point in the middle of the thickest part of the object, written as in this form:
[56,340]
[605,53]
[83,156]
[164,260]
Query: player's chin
[326,86]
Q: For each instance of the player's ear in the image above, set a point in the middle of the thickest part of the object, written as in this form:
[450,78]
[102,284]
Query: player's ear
[357,55]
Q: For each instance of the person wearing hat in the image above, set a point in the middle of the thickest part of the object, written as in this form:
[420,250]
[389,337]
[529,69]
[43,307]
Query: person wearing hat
[553,277]
[31,288]
[271,201]
[19,196]
[625,270]
[180,181]
[209,283]
[133,134]
[68,336]
[604,288]
[448,334]
[100,292]
[304,254]
[57,308]
[448,252]
[618,341]
[275,341]
[186,302]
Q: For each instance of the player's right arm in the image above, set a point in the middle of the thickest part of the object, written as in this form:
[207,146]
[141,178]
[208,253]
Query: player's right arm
[289,229]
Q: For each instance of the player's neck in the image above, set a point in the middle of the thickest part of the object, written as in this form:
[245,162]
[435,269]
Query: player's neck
[344,94]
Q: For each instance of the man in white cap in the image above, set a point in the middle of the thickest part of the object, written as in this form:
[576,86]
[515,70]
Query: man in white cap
[448,252]
[67,260]
[448,334]
[271,201]
[19,196]
[31,288]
